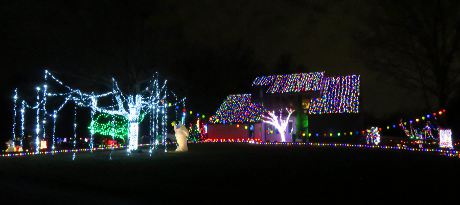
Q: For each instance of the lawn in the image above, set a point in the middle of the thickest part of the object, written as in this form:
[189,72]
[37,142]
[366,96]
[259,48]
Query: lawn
[242,173]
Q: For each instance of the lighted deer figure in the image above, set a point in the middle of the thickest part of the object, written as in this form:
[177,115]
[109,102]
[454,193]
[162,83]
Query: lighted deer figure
[278,122]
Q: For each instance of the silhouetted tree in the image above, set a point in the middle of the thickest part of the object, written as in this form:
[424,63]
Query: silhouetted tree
[416,43]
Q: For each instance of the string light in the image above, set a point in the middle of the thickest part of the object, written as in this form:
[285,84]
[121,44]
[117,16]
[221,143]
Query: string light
[74,130]
[19,154]
[337,94]
[15,99]
[373,136]
[23,120]
[53,146]
[115,126]
[243,140]
[137,105]
[164,122]
[444,152]
[401,124]
[197,130]
[300,82]
[445,138]
[238,109]
[91,141]
[152,126]
[278,122]
[44,112]
[256,141]
[37,129]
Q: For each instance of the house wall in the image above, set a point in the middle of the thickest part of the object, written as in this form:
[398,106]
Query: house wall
[258,131]
[261,131]
[221,131]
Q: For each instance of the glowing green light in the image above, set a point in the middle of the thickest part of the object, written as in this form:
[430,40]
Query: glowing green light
[111,125]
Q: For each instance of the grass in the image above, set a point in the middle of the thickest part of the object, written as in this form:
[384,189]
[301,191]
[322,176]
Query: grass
[242,173]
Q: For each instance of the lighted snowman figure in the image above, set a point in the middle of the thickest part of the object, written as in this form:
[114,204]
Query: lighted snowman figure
[181,134]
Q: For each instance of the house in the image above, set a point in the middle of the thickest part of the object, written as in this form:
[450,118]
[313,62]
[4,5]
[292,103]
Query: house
[306,93]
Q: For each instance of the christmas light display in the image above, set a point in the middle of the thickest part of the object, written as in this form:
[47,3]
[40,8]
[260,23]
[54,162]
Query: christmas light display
[238,109]
[444,152]
[197,130]
[301,82]
[15,99]
[278,122]
[373,136]
[337,94]
[421,130]
[74,130]
[10,146]
[115,126]
[23,112]
[20,153]
[428,128]
[153,99]
[246,140]
[445,138]
[37,126]
[181,134]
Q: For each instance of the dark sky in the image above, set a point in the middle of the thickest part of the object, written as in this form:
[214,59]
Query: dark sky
[207,49]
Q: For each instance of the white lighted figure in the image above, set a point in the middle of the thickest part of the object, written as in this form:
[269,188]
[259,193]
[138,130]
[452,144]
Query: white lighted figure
[445,138]
[181,134]
[43,144]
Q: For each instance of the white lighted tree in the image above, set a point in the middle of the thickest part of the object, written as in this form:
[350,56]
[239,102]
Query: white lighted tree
[153,100]
[278,122]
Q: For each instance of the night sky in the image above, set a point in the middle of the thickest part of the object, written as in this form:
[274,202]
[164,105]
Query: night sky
[207,49]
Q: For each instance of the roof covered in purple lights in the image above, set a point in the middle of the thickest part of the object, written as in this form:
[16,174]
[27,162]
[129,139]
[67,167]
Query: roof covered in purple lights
[338,94]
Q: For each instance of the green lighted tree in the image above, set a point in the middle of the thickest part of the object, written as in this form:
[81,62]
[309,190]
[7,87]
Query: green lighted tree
[111,125]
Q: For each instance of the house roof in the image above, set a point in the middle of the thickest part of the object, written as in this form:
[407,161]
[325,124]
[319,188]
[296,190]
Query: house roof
[300,82]
[238,108]
[338,94]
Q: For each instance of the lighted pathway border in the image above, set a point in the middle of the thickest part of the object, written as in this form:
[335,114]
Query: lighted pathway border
[444,152]
[18,154]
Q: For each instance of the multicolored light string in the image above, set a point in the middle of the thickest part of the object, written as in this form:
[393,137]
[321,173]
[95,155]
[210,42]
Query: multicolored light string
[337,94]
[420,119]
[74,130]
[44,112]
[300,82]
[445,152]
[238,109]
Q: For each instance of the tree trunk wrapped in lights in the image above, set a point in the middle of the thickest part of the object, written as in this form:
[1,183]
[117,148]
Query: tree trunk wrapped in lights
[278,122]
[128,109]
